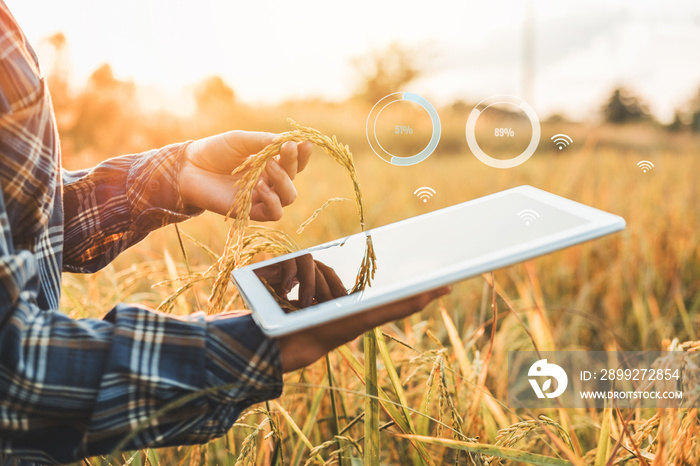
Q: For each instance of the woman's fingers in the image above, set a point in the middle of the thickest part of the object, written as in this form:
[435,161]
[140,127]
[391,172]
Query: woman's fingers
[288,158]
[301,349]
[288,275]
[303,154]
[266,204]
[323,291]
[280,181]
[335,285]
[306,274]
[400,309]
[245,143]
[206,181]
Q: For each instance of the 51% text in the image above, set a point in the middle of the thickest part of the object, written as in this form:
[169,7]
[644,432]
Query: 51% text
[403,129]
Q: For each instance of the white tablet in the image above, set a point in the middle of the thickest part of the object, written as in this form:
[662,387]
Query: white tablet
[423,253]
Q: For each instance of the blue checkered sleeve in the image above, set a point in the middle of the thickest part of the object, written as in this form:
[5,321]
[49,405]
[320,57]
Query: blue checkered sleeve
[76,388]
[116,204]
[72,388]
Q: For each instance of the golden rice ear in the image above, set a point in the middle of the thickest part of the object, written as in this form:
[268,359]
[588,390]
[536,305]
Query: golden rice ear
[250,172]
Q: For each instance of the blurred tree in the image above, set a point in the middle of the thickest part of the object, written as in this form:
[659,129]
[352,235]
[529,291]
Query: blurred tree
[58,81]
[695,113]
[103,118]
[679,122]
[557,118]
[58,75]
[212,94]
[687,117]
[107,116]
[215,102]
[460,107]
[624,107]
[386,71]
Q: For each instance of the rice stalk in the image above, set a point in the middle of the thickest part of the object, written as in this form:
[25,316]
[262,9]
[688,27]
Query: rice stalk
[103,459]
[274,432]
[250,172]
[249,446]
[371,455]
[152,457]
[261,240]
[309,423]
[127,462]
[133,275]
[445,401]
[316,213]
[604,446]
[624,431]
[394,378]
[457,345]
[335,426]
[481,381]
[390,408]
[201,245]
[513,434]
[480,449]
[334,456]
[448,400]
[435,381]
[238,252]
[293,425]
[169,302]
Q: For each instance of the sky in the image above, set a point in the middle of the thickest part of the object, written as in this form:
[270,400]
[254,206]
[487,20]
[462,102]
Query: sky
[272,50]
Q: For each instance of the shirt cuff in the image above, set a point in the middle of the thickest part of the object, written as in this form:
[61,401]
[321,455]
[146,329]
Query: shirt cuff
[244,361]
[224,360]
[153,188]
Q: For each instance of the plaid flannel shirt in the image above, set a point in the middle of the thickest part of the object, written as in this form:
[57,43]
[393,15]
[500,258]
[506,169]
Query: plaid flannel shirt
[74,388]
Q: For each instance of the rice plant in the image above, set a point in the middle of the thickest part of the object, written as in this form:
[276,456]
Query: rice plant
[431,389]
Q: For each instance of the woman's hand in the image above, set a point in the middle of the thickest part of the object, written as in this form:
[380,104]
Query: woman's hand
[300,349]
[317,281]
[206,181]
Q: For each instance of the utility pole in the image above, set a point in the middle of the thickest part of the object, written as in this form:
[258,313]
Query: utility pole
[528,50]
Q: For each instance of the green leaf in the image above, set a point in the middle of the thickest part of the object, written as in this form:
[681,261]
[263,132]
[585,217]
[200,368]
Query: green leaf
[521,457]
[390,409]
[371,402]
[601,455]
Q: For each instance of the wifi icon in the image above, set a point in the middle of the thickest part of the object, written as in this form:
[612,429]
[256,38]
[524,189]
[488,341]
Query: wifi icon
[645,165]
[528,216]
[424,193]
[561,140]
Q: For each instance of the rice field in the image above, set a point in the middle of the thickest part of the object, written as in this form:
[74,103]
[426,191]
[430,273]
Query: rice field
[441,374]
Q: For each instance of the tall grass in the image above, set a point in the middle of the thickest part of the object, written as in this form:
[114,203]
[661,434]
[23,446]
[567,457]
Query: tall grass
[441,378]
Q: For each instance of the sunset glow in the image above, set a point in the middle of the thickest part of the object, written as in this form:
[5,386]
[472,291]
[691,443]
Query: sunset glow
[275,50]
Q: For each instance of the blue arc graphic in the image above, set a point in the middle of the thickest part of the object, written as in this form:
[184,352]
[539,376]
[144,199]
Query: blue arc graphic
[372,129]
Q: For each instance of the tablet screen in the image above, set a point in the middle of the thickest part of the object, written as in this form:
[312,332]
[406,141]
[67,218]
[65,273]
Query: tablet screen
[313,286]
[413,251]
